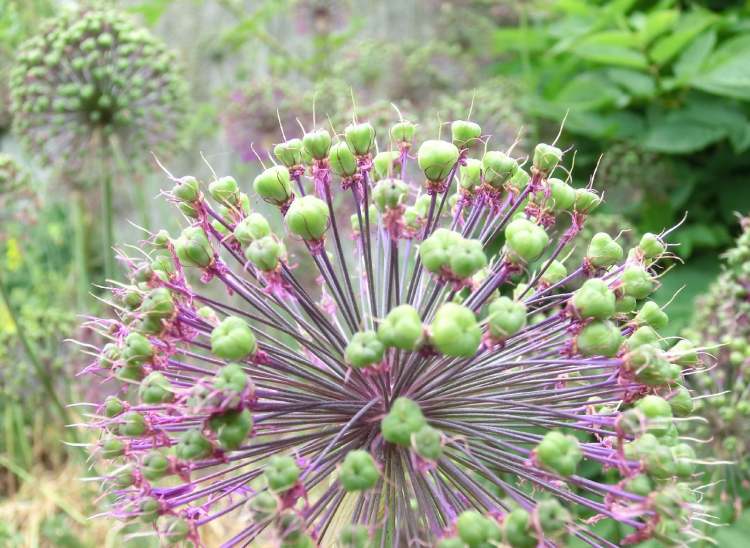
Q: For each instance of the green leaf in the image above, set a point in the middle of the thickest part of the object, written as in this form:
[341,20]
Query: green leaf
[610,55]
[519,38]
[676,135]
[655,24]
[633,82]
[689,26]
[690,61]
[590,91]
[151,10]
[726,71]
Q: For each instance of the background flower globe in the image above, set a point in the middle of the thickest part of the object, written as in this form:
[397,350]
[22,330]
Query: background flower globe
[425,392]
[93,91]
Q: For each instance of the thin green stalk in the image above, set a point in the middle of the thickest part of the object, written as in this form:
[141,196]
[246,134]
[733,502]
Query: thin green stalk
[79,252]
[142,202]
[108,220]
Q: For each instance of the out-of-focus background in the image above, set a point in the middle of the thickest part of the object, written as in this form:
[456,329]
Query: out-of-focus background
[656,93]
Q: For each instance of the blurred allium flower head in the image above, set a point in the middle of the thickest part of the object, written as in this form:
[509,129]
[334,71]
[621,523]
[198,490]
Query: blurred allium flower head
[722,321]
[424,393]
[93,85]
[17,196]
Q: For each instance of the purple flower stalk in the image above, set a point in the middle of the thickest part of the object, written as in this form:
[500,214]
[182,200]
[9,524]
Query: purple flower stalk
[424,392]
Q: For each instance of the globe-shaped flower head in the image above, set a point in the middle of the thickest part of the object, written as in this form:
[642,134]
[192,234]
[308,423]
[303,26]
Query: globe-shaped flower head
[92,87]
[425,393]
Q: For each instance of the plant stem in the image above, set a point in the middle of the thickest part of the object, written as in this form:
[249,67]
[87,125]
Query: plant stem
[109,240]
[79,251]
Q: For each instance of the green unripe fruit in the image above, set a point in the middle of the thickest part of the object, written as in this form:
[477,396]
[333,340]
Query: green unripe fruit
[401,328]
[187,189]
[193,445]
[232,378]
[389,194]
[436,251]
[274,185]
[281,473]
[470,174]
[189,211]
[642,335]
[658,413]
[625,304]
[137,349]
[519,181]
[156,306]
[124,477]
[232,339]
[132,424]
[684,353]
[308,218]
[455,332]
[265,253]
[562,195]
[358,472]
[555,273]
[155,466]
[518,530]
[506,317]
[684,459]
[603,251]
[546,157]
[553,518]
[681,402]
[317,143]
[263,506]
[342,161]
[225,191]
[639,485]
[525,240]
[650,367]
[155,389]
[422,205]
[559,453]
[599,339]
[428,443]
[436,159]
[290,153]
[650,314]
[112,448]
[402,132]
[113,406]
[637,282]
[251,228]
[498,168]
[386,164]
[594,299]
[465,133]
[231,428]
[354,536]
[149,509]
[477,530]
[586,200]
[364,349]
[403,419]
[451,542]
[193,248]
[467,258]
[372,213]
[651,245]
[175,530]
[360,137]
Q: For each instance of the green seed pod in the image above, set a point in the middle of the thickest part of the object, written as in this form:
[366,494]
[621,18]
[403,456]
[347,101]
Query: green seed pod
[386,164]
[586,200]
[436,159]
[498,168]
[435,252]
[193,248]
[360,138]
[455,332]
[155,389]
[657,412]
[389,194]
[594,299]
[640,485]
[506,317]
[651,245]
[477,530]
[525,240]
[563,195]
[111,448]
[231,428]
[401,328]
[281,473]
[554,519]
[684,459]
[175,530]
[546,157]
[263,506]
[599,339]
[231,377]
[232,339]
[358,472]
[149,509]
[559,453]
[156,306]
[465,133]
[642,335]
[684,353]
[251,228]
[317,143]
[450,542]
[402,132]
[637,282]
[403,419]
[155,466]
[428,443]
[308,218]
[113,406]
[266,253]
[225,190]
[274,185]
[132,424]
[290,153]
[624,304]
[137,349]
[681,402]
[555,273]
[467,258]
[518,531]
[364,349]
[193,446]
[342,161]
[603,251]
[124,477]
[187,189]
[354,536]
[470,175]
[651,314]
[109,355]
